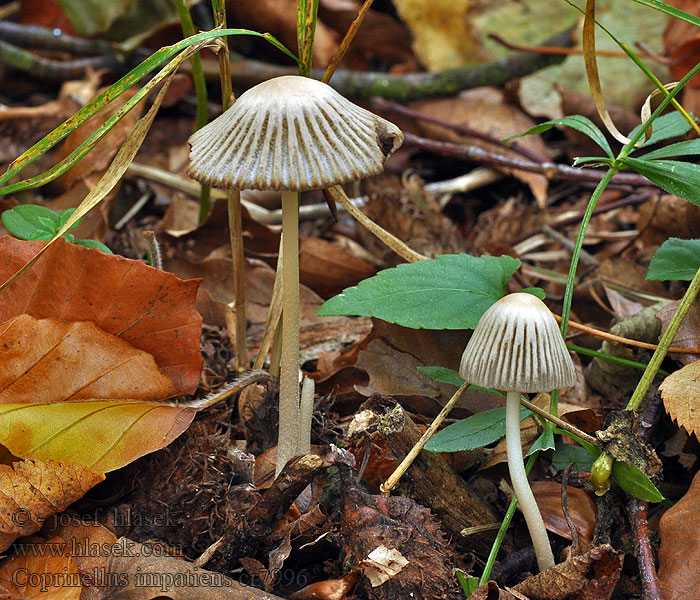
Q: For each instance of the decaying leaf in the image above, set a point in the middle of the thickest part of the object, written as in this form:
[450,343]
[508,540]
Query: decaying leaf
[54,575]
[150,309]
[31,491]
[581,508]
[596,571]
[680,547]
[688,335]
[47,361]
[681,395]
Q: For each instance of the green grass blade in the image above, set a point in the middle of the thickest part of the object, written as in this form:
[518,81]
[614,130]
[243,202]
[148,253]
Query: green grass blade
[670,10]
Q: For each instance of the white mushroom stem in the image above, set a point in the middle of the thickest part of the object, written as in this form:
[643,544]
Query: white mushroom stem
[521,486]
[289,367]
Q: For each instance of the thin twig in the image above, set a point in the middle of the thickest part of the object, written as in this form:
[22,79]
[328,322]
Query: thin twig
[559,422]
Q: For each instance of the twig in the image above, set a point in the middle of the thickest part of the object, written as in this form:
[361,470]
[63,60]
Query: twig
[550,170]
[153,249]
[46,38]
[347,40]
[381,104]
[559,422]
[637,513]
[575,541]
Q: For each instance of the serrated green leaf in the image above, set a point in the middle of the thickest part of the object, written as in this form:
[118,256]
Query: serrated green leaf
[564,454]
[666,126]
[635,482]
[577,122]
[94,244]
[48,224]
[678,178]
[69,237]
[676,260]
[476,431]
[544,442]
[443,375]
[41,235]
[687,148]
[448,292]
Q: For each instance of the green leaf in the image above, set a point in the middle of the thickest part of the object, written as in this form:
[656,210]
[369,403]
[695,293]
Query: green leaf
[476,431]
[577,122]
[24,220]
[671,10]
[94,244]
[544,442]
[687,148]
[535,291]
[666,126]
[594,451]
[64,216]
[676,260]
[41,235]
[449,292]
[570,453]
[587,160]
[468,583]
[635,483]
[679,178]
[69,237]
[443,375]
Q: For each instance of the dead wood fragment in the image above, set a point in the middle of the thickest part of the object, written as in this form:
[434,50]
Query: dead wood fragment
[433,482]
[397,543]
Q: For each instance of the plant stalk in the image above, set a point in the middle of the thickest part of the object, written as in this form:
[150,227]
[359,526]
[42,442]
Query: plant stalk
[289,369]
[521,486]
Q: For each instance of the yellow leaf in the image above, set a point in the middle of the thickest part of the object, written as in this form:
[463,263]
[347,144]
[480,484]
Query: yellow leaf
[681,394]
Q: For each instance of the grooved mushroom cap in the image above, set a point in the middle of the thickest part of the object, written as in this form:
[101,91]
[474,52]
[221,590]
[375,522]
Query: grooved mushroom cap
[291,133]
[517,346]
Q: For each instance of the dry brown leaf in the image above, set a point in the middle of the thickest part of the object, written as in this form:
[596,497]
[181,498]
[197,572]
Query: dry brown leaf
[31,491]
[47,361]
[681,394]
[680,547]
[328,269]
[136,572]
[664,216]
[54,576]
[688,335]
[592,575]
[682,42]
[150,309]
[487,111]
[90,544]
[330,589]
[581,508]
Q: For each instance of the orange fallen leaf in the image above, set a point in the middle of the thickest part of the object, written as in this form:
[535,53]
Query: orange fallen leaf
[65,383]
[47,361]
[53,576]
[31,491]
[150,309]
[681,396]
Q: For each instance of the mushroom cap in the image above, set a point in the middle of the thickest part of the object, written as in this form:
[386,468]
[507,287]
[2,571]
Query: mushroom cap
[517,346]
[291,133]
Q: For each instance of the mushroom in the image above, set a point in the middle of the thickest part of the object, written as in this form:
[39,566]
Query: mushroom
[291,134]
[517,347]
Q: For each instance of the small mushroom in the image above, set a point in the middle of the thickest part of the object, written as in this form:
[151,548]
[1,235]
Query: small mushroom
[291,134]
[517,347]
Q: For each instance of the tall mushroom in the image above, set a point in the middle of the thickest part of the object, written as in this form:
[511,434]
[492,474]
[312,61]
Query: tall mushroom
[515,348]
[291,134]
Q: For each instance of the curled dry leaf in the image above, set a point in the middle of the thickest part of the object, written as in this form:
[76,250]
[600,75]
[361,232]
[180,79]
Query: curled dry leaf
[53,575]
[150,309]
[31,491]
[592,575]
[681,396]
[680,547]
[688,335]
[64,383]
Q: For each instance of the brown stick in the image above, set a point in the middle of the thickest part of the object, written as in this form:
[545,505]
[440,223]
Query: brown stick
[434,483]
[637,513]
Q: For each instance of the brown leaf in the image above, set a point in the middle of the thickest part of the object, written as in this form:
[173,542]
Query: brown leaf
[486,110]
[31,491]
[688,335]
[680,547]
[53,575]
[596,571]
[328,269]
[491,591]
[330,589]
[682,42]
[581,508]
[47,361]
[136,572]
[681,395]
[150,309]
